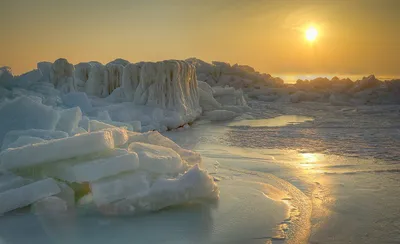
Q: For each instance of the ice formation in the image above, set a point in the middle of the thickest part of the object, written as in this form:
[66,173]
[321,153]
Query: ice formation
[75,131]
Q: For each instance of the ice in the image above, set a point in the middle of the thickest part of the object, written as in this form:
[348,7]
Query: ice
[45,68]
[131,79]
[28,78]
[157,159]
[69,120]
[81,73]
[49,205]
[119,61]
[66,194]
[176,80]
[95,169]
[117,188]
[78,99]
[220,115]
[300,96]
[96,84]
[229,96]
[156,138]
[101,125]
[103,115]
[23,141]
[9,181]
[61,75]
[28,194]
[207,101]
[205,87]
[113,76]
[6,77]
[13,136]
[194,185]
[23,113]
[95,125]
[55,150]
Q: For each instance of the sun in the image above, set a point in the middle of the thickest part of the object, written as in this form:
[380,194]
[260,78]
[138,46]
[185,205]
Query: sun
[311,34]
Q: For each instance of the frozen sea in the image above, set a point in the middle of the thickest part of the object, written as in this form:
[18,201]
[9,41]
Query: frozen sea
[293,173]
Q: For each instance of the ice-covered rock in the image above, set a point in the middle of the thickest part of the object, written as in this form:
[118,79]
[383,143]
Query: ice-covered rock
[27,194]
[23,113]
[157,159]
[56,150]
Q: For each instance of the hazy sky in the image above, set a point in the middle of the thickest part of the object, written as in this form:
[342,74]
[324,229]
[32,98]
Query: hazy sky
[355,36]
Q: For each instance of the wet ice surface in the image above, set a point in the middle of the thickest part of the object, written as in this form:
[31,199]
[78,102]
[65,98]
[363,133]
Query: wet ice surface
[346,162]
[279,121]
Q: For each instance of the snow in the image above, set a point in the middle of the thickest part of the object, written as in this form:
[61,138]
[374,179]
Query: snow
[96,169]
[28,194]
[55,150]
[157,159]
[23,113]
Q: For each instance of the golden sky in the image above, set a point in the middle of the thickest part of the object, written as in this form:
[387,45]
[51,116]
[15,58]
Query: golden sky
[354,36]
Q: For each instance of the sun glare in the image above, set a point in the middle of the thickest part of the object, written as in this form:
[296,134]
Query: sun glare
[311,34]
